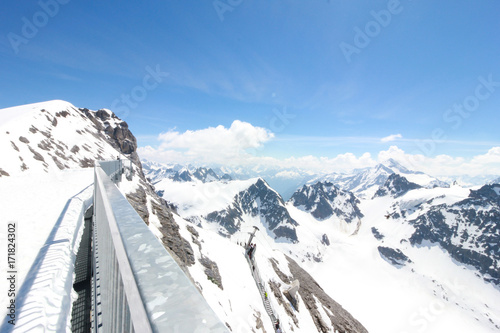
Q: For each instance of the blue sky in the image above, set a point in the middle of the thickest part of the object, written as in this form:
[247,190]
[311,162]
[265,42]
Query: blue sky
[323,77]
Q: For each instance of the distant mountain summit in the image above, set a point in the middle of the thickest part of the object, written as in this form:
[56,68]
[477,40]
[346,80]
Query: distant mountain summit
[469,230]
[396,186]
[156,172]
[324,200]
[365,182]
[260,202]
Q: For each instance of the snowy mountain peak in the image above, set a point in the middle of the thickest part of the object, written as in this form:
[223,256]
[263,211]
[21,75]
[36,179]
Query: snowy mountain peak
[397,167]
[469,230]
[56,135]
[324,200]
[156,172]
[396,186]
[264,206]
[487,193]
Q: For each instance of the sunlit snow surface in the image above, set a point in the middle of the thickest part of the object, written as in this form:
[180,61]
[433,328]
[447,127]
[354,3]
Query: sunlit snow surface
[431,294]
[46,208]
[46,203]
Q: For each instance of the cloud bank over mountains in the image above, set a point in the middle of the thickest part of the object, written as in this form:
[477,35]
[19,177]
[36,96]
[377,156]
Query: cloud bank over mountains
[242,144]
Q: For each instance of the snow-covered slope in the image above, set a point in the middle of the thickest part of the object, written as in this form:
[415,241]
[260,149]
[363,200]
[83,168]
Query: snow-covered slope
[55,135]
[414,258]
[364,183]
[326,202]
[55,138]
[46,209]
[217,218]
[374,265]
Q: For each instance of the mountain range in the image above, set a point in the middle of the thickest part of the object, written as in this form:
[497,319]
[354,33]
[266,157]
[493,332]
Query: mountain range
[382,249]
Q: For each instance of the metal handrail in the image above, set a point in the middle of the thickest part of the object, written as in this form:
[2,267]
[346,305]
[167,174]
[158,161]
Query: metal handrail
[138,287]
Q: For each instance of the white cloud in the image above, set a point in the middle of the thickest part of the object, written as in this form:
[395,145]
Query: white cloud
[391,137]
[286,174]
[238,144]
[211,145]
[445,165]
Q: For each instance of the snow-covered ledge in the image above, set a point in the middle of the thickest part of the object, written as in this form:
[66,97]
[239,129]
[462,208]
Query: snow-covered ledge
[45,299]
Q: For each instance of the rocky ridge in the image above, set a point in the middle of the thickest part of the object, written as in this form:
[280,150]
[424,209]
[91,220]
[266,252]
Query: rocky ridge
[469,230]
[324,200]
[259,200]
[396,186]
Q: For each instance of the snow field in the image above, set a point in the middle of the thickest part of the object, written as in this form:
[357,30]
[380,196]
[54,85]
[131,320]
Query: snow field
[236,280]
[199,199]
[43,131]
[428,295]
[49,227]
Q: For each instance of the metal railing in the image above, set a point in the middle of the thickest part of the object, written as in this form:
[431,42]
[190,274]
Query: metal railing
[116,168]
[137,285]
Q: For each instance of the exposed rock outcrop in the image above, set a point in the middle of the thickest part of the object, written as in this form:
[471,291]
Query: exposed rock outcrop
[396,186]
[468,230]
[258,200]
[324,200]
[394,256]
[314,296]
[212,271]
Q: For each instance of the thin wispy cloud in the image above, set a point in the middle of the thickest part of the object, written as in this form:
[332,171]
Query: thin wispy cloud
[392,137]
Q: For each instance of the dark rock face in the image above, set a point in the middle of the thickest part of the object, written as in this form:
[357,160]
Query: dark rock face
[205,175]
[179,247]
[396,186]
[122,139]
[340,319]
[212,271]
[469,230]
[226,177]
[325,240]
[377,234]
[393,256]
[138,200]
[230,218]
[184,176]
[119,136]
[324,199]
[36,155]
[275,288]
[258,200]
